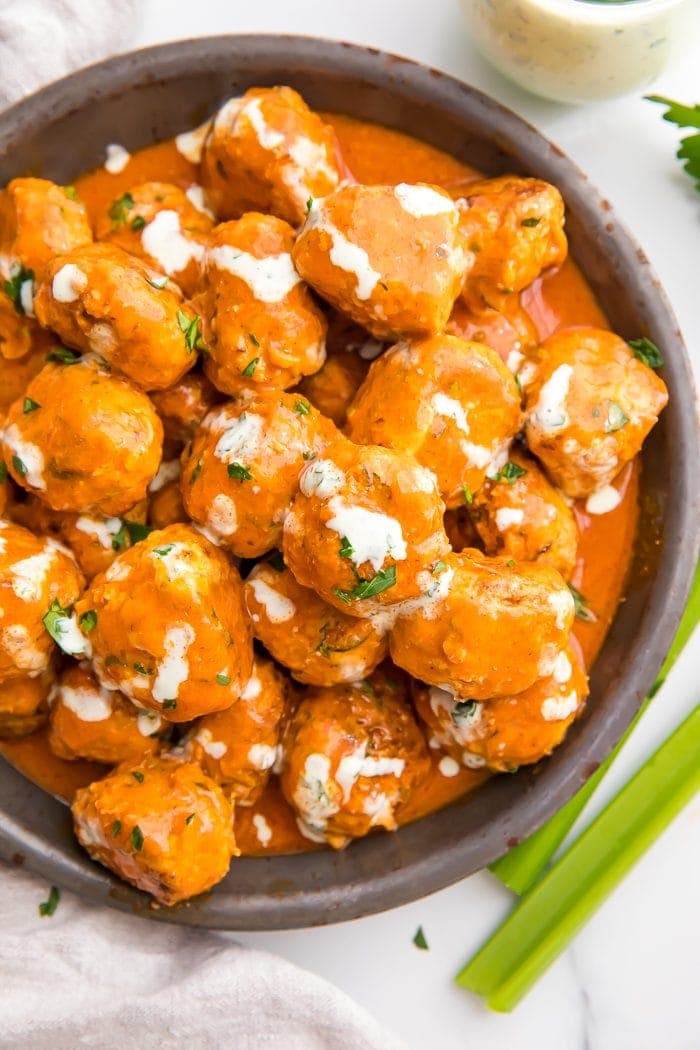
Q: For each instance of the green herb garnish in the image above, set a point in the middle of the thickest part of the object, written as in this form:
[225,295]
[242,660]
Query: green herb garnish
[531,222]
[120,208]
[510,473]
[59,623]
[63,355]
[384,579]
[468,494]
[138,775]
[438,568]
[251,366]
[223,679]
[647,352]
[169,705]
[142,669]
[131,531]
[3,471]
[196,472]
[88,621]
[116,828]
[13,287]
[71,193]
[19,466]
[239,472]
[254,340]
[190,327]
[29,406]
[48,907]
[581,607]
[138,223]
[302,408]
[189,818]
[684,117]
[419,939]
[346,548]
[137,839]
[615,419]
[162,551]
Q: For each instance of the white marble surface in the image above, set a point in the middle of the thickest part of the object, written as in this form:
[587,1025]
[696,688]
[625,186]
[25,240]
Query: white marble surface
[630,981]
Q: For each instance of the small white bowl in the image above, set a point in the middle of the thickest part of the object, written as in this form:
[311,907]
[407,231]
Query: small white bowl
[581,50]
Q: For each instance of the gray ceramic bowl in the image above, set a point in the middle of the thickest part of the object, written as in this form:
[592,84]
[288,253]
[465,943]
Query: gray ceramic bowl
[149,95]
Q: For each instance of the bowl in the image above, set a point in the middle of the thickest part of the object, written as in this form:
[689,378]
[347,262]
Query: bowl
[147,95]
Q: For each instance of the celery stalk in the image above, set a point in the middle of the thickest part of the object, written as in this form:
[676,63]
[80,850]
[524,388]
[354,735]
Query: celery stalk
[546,920]
[521,867]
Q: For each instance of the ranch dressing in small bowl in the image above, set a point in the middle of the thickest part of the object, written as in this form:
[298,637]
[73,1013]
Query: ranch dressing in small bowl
[581,50]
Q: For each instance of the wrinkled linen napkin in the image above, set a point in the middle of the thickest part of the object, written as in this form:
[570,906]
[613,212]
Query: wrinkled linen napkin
[91,976]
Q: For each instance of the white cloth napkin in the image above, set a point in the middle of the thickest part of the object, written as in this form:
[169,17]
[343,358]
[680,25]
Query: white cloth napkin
[92,976]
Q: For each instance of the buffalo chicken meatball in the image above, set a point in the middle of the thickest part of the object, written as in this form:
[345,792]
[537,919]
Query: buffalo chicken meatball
[590,405]
[182,407]
[494,628]
[458,410]
[38,221]
[511,731]
[82,440]
[352,755]
[101,298]
[515,230]
[16,373]
[162,825]
[36,577]
[317,643]
[240,473]
[521,515]
[391,257]
[159,223]
[91,722]
[23,704]
[365,528]
[238,747]
[261,324]
[268,151]
[168,626]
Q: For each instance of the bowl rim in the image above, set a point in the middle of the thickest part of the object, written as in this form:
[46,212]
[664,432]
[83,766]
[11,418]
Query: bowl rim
[400,882]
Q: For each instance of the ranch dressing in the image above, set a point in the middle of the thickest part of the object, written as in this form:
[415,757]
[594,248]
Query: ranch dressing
[579,50]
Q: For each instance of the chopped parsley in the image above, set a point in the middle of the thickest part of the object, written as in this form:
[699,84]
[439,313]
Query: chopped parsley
[113,659]
[88,621]
[169,705]
[384,579]
[510,473]
[19,466]
[647,352]
[684,117]
[59,623]
[13,287]
[116,828]
[223,679]
[63,355]
[468,494]
[142,669]
[581,607]
[3,471]
[615,419]
[438,568]
[249,369]
[534,221]
[138,775]
[29,406]
[196,472]
[137,838]
[48,907]
[302,408]
[419,939]
[129,532]
[464,711]
[71,193]
[120,208]
[254,340]
[346,548]
[138,223]
[162,551]
[239,472]
[511,563]
[190,327]
[189,818]
[309,204]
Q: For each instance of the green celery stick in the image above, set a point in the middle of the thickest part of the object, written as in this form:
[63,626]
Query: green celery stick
[546,920]
[521,867]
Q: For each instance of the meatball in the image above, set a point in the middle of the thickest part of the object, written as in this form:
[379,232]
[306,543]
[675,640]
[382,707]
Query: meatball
[510,331]
[159,223]
[89,721]
[589,407]
[82,440]
[457,414]
[16,373]
[17,331]
[319,644]
[267,151]
[101,298]
[240,473]
[23,704]
[352,755]
[511,731]
[365,528]
[192,653]
[163,825]
[350,350]
[36,576]
[520,515]
[238,747]
[261,324]
[39,220]
[182,407]
[493,630]
[391,257]
[515,229]
[165,506]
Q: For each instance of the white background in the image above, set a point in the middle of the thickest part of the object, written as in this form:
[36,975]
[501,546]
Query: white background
[631,981]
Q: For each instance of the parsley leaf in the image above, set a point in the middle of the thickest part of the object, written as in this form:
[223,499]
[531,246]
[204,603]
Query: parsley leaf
[684,117]
[468,494]
[162,551]
[510,473]
[48,907]
[534,221]
[62,627]
[131,532]
[346,548]
[138,223]
[189,818]
[251,366]
[3,471]
[223,679]
[116,828]
[239,472]
[71,193]
[138,775]
[63,355]
[196,472]
[120,208]
[384,579]
[19,466]
[438,568]
[29,406]
[419,939]
[615,419]
[169,705]
[137,838]
[647,352]
[190,327]
[13,287]
[581,608]
[88,621]
[302,408]
[254,340]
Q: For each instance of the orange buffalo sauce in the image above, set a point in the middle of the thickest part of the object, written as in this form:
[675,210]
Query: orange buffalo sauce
[380,155]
